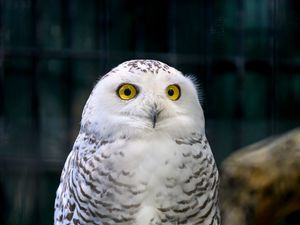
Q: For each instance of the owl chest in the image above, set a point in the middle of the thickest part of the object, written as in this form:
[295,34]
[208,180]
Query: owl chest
[155,167]
[163,175]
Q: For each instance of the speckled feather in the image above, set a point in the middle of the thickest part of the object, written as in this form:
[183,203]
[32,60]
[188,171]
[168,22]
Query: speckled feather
[122,170]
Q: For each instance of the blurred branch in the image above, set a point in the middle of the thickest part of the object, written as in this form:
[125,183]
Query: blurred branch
[260,183]
[220,65]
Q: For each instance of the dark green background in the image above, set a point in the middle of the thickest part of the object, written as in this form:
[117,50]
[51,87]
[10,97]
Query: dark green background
[245,55]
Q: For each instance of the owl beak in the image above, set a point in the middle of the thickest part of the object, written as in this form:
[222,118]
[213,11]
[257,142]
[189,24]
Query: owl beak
[154,114]
[154,119]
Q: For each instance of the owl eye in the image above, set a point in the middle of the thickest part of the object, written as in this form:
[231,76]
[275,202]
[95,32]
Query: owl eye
[127,91]
[173,92]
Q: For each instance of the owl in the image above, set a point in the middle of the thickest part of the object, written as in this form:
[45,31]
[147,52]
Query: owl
[141,156]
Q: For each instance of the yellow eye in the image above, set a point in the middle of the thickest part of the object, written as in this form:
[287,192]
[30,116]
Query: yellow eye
[173,92]
[127,91]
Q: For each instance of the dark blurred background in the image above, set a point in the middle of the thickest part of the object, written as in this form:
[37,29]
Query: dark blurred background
[244,53]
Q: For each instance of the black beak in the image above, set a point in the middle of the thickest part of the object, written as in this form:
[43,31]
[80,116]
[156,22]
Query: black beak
[154,114]
[154,118]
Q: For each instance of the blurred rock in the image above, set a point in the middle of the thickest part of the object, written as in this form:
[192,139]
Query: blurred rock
[260,184]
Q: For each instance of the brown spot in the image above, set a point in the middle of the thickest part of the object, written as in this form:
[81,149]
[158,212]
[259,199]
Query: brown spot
[69,216]
[72,207]
[76,222]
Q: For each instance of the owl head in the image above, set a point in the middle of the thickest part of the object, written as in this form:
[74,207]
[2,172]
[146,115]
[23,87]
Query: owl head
[143,96]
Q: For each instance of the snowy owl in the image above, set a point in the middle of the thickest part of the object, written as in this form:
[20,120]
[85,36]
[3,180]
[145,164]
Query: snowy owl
[141,156]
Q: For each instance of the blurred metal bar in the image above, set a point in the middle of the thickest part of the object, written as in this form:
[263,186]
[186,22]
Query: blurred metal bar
[2,33]
[3,204]
[139,29]
[240,58]
[31,164]
[35,108]
[98,31]
[3,201]
[67,16]
[261,65]
[271,85]
[102,32]
[240,64]
[65,53]
[209,68]
[107,33]
[172,8]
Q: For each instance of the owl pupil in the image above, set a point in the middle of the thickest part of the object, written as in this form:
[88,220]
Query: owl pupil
[171,92]
[127,92]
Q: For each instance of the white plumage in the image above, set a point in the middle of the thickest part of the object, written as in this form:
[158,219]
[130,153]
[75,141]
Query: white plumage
[141,156]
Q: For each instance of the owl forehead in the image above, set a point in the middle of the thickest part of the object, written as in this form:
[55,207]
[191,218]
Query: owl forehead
[146,66]
[143,69]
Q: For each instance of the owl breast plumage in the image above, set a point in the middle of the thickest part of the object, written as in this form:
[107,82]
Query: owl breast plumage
[141,156]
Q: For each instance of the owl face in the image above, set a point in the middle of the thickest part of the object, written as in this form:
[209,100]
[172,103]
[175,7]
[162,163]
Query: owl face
[143,95]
